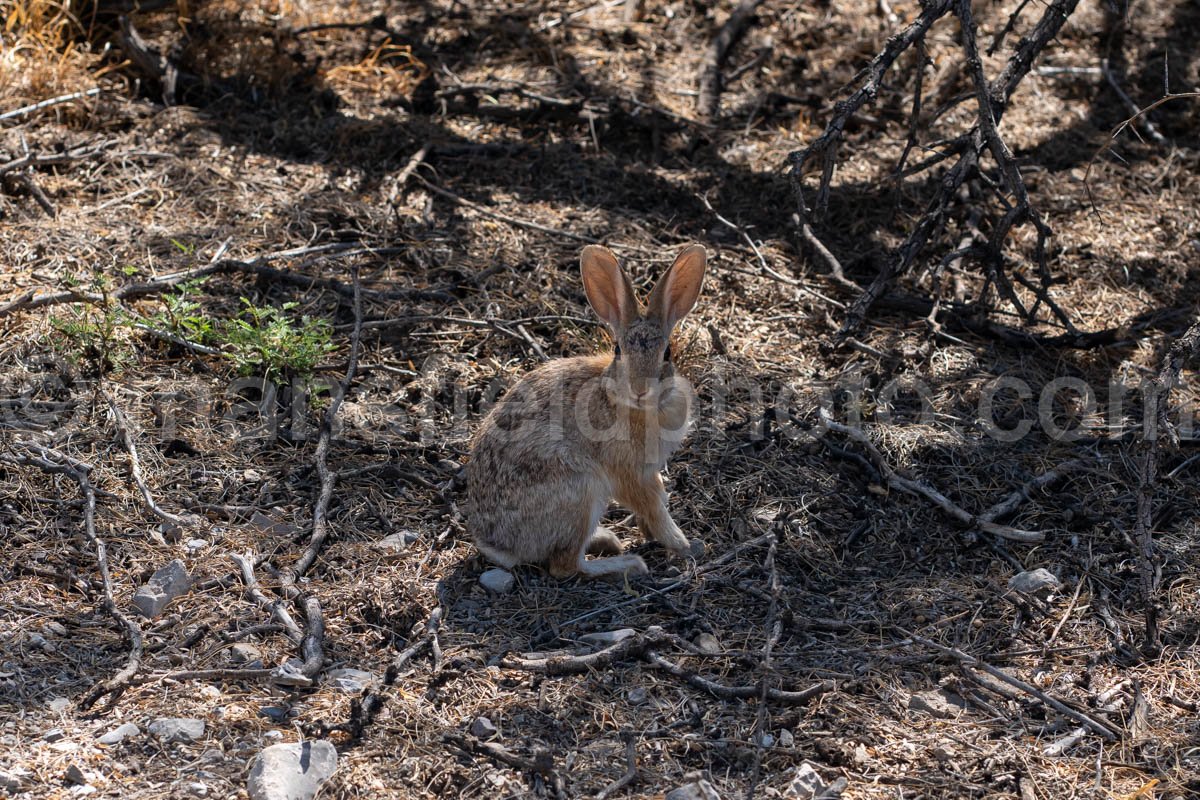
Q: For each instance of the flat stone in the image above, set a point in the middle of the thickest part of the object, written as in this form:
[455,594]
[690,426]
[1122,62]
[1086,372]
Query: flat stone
[938,703]
[119,734]
[708,644]
[274,713]
[482,728]
[54,735]
[244,653]
[1033,580]
[165,585]
[293,771]
[498,581]
[177,729]
[9,783]
[59,704]
[607,638]
[55,628]
[397,543]
[351,681]
[291,673]
[74,776]
[806,784]
[696,790]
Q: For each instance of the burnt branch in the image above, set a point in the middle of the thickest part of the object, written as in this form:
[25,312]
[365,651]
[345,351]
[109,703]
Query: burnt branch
[1156,428]
[967,149]
[52,461]
[708,101]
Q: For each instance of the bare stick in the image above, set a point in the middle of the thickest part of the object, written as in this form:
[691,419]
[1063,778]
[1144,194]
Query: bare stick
[53,101]
[258,266]
[633,647]
[631,770]
[774,629]
[1157,424]
[1102,728]
[1011,503]
[135,469]
[909,486]
[55,462]
[520,223]
[542,762]
[277,608]
[402,178]
[311,645]
[723,692]
[709,100]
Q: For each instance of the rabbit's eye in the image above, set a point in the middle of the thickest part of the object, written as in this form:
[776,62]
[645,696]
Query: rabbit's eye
[617,351]
[667,353]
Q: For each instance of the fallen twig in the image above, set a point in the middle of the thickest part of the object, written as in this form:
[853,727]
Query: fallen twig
[278,608]
[53,461]
[723,692]
[1018,496]
[520,223]
[258,266]
[709,99]
[1157,403]
[50,103]
[910,486]
[1096,725]
[135,469]
[631,770]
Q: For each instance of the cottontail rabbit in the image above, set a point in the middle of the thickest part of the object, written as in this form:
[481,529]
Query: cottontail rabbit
[578,432]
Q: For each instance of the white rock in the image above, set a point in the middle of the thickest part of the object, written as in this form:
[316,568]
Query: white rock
[708,644]
[697,790]
[74,776]
[292,771]
[1033,580]
[119,734]
[351,681]
[397,543]
[194,546]
[164,586]
[245,653]
[59,704]
[786,739]
[291,673]
[637,695]
[483,728]
[938,703]
[177,729]
[499,581]
[608,637]
[806,784]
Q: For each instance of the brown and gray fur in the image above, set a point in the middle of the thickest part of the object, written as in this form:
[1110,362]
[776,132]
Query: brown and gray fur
[577,433]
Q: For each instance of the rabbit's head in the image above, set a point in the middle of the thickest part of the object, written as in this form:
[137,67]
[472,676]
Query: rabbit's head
[641,370]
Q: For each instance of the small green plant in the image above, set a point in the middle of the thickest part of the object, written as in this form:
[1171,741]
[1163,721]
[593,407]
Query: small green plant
[270,340]
[183,315]
[95,334]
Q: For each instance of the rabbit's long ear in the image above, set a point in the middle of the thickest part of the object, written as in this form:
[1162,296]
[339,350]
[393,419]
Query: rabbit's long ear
[677,290]
[607,288]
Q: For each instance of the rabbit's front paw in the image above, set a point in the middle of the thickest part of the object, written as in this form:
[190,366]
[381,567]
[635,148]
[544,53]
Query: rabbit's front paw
[674,540]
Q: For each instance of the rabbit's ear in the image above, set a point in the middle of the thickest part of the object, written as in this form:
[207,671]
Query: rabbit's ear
[607,288]
[676,292]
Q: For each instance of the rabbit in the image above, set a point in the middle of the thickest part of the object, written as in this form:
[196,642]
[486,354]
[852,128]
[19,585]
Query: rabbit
[576,433]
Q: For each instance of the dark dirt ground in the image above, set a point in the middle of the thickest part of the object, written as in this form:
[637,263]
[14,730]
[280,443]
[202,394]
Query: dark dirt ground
[296,135]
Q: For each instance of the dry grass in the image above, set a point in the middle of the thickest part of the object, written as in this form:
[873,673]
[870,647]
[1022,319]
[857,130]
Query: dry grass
[302,146]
